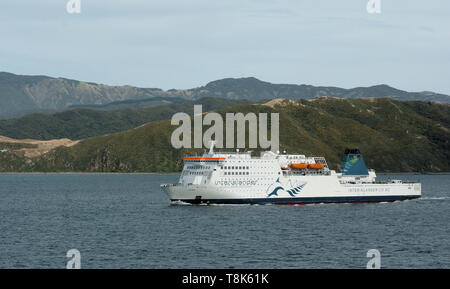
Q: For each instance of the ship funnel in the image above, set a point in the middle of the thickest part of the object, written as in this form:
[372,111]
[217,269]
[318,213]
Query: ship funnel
[353,163]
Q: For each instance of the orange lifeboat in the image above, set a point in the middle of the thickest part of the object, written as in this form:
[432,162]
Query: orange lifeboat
[316,166]
[298,166]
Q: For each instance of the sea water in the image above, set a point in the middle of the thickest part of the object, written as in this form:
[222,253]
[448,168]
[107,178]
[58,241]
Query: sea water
[126,221]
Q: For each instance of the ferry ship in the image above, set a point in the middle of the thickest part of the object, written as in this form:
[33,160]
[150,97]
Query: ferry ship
[274,178]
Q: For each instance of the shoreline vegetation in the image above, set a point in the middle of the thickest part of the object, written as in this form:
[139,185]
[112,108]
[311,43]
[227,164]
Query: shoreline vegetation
[393,136]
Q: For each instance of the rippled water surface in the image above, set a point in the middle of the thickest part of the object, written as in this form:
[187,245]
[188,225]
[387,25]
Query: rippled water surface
[125,221]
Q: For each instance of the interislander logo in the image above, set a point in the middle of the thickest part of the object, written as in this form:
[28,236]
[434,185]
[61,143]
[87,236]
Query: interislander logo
[257,132]
[277,189]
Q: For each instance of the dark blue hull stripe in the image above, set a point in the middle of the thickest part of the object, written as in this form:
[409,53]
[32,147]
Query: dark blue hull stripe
[281,201]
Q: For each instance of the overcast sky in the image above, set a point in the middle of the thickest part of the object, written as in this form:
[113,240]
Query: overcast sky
[187,43]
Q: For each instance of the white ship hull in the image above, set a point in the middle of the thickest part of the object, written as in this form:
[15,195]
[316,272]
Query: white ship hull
[317,189]
[227,178]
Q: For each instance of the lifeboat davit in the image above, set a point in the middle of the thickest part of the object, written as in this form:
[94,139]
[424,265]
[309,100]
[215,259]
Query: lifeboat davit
[298,166]
[316,166]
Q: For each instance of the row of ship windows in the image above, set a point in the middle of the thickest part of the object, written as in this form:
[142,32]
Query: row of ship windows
[236,168]
[247,173]
[229,173]
[236,173]
[244,167]
[196,173]
[198,167]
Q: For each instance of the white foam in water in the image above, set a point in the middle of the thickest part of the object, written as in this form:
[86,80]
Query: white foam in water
[435,198]
[180,203]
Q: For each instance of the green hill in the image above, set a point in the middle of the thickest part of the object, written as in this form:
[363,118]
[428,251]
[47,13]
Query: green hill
[84,123]
[131,104]
[394,137]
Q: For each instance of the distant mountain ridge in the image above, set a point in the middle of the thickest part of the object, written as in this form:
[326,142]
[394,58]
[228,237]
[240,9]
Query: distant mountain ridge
[260,90]
[21,94]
